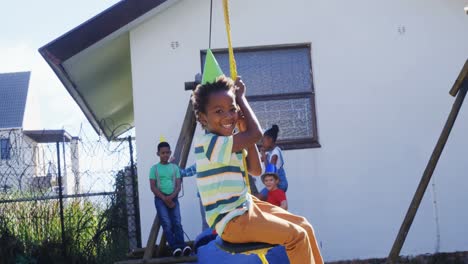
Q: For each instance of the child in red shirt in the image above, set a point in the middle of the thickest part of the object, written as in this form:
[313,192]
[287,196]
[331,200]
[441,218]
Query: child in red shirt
[275,196]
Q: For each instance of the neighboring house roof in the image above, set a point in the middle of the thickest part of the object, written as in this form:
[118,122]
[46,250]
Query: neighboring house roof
[93,63]
[48,136]
[13,94]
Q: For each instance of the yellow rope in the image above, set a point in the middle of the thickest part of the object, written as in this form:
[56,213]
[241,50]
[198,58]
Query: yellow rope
[232,61]
[261,253]
[246,174]
[233,69]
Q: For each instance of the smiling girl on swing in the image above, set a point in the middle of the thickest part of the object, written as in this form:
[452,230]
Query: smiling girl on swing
[237,216]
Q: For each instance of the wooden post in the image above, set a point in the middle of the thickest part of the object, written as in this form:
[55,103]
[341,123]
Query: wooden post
[413,208]
[152,239]
[162,245]
[184,142]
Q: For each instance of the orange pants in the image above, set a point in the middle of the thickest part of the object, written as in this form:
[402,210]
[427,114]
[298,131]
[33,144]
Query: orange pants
[271,224]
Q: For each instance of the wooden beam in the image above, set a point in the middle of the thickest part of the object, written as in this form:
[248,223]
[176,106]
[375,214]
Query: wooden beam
[184,142]
[152,239]
[426,178]
[460,79]
[162,246]
[190,86]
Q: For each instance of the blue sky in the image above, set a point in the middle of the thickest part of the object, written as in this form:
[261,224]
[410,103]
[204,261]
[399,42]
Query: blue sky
[29,25]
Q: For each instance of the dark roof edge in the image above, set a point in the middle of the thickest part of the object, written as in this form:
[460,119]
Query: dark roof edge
[98,27]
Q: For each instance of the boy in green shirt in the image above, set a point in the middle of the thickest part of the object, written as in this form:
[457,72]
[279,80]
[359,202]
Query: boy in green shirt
[165,184]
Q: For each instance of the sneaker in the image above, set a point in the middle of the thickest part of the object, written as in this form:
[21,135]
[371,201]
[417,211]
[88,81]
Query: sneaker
[187,250]
[177,252]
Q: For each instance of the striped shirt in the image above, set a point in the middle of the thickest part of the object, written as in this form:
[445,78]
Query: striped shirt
[220,180]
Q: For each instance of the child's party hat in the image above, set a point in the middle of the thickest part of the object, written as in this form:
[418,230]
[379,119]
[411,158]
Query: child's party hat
[211,70]
[270,169]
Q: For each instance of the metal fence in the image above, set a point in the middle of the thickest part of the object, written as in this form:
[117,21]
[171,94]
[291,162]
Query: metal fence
[66,198]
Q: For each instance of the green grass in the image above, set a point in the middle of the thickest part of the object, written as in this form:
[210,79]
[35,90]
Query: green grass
[95,232]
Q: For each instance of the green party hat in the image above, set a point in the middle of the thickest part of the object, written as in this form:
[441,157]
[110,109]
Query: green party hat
[211,70]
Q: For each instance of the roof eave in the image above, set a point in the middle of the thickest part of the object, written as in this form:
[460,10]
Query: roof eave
[70,86]
[89,33]
[98,27]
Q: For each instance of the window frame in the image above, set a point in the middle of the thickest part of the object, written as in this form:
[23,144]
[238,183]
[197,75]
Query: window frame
[285,144]
[6,156]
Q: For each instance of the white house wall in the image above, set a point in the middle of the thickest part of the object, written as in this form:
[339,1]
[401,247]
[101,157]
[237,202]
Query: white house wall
[29,159]
[382,71]
[17,171]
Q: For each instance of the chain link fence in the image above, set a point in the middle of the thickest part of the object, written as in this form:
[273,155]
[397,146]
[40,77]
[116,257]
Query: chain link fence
[66,198]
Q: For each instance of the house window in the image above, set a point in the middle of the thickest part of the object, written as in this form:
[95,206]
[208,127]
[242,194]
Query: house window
[280,89]
[5,148]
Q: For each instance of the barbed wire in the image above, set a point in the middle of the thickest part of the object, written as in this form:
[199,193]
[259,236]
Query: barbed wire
[99,199]
[88,164]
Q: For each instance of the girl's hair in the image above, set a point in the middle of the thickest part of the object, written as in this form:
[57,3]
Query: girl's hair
[272,132]
[203,91]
